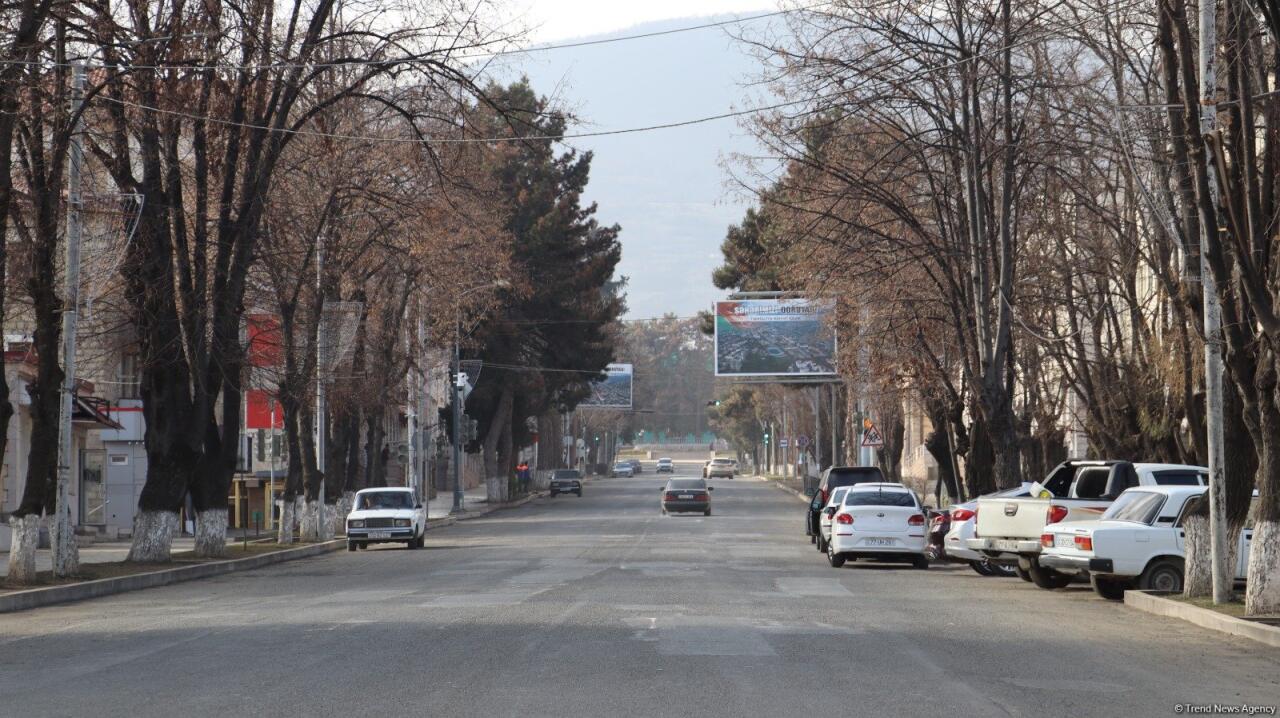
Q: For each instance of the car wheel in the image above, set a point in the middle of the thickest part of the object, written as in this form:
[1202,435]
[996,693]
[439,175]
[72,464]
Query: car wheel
[1022,573]
[579,493]
[1001,569]
[1047,577]
[1162,575]
[813,539]
[920,563]
[982,568]
[422,538]
[707,512]
[553,494]
[833,558]
[351,545]
[1111,589]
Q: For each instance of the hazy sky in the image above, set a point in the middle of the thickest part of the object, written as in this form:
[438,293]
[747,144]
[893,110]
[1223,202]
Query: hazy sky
[559,19]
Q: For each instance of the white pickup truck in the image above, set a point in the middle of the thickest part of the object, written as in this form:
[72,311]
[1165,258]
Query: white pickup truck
[1139,542]
[1009,529]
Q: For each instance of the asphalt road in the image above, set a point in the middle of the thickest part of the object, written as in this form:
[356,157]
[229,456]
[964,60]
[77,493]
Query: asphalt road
[599,606]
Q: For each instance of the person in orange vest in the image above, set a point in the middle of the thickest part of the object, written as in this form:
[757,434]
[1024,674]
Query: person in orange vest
[522,474]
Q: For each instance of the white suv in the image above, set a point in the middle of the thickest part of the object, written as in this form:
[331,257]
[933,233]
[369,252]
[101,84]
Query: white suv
[387,515]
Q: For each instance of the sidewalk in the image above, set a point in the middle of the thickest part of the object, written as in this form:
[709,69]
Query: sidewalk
[442,505]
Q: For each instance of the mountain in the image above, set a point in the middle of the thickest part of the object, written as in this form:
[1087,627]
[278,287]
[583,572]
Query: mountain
[669,189]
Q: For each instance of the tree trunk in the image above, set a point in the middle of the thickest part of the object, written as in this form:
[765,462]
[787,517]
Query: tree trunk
[890,456]
[1262,592]
[153,536]
[979,464]
[22,552]
[495,475]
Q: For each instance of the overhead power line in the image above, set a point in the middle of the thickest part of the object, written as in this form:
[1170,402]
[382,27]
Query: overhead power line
[908,78]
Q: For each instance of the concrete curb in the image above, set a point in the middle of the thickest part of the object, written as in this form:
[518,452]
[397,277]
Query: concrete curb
[787,489]
[36,597]
[468,515]
[1203,617]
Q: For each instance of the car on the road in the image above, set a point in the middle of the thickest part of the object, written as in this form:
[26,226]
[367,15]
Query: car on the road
[1010,528]
[666,466]
[721,468]
[882,521]
[828,513]
[622,468]
[833,478]
[963,519]
[636,467]
[565,481]
[1138,543]
[387,515]
[686,495]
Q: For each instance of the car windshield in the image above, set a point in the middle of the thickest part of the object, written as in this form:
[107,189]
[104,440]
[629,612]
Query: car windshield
[879,498]
[722,461]
[853,475]
[567,474]
[664,461]
[385,500]
[686,484]
[1136,506]
[622,465]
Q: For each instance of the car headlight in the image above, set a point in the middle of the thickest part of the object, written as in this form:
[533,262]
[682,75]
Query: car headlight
[404,522]
[356,523]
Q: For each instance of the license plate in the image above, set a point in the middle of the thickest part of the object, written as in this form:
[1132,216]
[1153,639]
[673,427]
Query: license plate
[1064,541]
[379,534]
[880,542]
[686,496]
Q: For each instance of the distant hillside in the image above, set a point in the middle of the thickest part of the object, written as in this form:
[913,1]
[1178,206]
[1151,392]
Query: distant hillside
[666,188]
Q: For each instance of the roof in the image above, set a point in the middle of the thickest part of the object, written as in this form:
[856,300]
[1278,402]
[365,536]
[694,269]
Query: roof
[1170,490]
[877,486]
[384,488]
[1167,467]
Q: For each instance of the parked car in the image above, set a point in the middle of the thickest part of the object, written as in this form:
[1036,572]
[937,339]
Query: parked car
[666,466]
[883,521]
[828,513]
[566,481]
[636,467]
[1138,543]
[686,495]
[387,515]
[962,520]
[833,478]
[622,468]
[1010,528]
[722,468]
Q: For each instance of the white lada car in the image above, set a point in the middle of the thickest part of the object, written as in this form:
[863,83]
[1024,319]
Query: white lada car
[388,515]
[1138,543]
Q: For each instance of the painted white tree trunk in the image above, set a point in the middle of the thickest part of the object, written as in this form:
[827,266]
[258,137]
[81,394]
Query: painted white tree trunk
[307,522]
[1198,579]
[1262,595]
[153,536]
[288,517]
[22,551]
[342,509]
[211,533]
[493,490]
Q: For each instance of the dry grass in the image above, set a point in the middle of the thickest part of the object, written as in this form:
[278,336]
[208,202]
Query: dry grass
[1234,608]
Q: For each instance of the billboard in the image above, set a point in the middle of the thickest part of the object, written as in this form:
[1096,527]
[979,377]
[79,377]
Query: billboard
[614,391]
[775,337]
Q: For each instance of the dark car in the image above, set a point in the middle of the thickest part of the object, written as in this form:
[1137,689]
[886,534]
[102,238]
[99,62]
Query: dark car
[685,495]
[834,478]
[636,467]
[566,481]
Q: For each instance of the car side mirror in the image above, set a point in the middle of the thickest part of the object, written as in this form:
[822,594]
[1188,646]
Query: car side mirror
[418,506]
[711,488]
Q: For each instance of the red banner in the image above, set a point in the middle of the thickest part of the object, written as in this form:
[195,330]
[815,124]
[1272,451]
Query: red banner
[265,342]
[262,411]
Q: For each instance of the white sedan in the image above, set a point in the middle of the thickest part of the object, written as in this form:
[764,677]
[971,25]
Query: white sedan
[881,521]
[963,519]
[386,515]
[1138,542]
[827,514]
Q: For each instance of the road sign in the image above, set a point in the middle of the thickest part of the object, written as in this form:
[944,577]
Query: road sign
[802,441]
[783,442]
[871,436]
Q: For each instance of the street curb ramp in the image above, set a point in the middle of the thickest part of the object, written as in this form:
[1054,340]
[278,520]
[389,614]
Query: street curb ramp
[1205,618]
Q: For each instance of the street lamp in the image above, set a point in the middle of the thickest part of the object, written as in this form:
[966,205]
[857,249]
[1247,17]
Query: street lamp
[457,387]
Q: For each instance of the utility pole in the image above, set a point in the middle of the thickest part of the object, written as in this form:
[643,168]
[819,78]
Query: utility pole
[457,408]
[66,557]
[1213,343]
[321,401]
[835,419]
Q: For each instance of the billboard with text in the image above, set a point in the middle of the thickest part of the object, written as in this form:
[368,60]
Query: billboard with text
[614,391]
[775,337]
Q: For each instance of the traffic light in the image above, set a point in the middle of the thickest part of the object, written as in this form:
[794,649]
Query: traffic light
[766,437]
